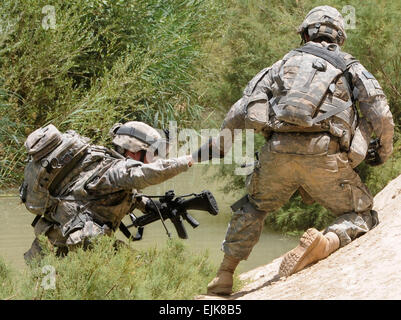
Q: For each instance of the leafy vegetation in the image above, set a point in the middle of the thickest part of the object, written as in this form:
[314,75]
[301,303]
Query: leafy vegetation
[172,272]
[103,62]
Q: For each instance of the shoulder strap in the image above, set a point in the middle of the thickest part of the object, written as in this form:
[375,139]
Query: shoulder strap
[338,107]
[66,169]
[333,57]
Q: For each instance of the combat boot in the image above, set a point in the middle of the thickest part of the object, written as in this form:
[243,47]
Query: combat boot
[313,246]
[222,284]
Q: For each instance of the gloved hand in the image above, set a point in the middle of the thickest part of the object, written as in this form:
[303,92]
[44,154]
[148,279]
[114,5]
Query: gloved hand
[377,154]
[209,150]
[204,153]
[372,156]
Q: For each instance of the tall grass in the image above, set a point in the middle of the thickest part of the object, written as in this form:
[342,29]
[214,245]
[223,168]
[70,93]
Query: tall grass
[7,283]
[104,61]
[11,139]
[172,272]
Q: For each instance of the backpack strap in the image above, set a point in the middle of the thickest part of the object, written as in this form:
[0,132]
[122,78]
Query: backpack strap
[69,164]
[338,106]
[331,56]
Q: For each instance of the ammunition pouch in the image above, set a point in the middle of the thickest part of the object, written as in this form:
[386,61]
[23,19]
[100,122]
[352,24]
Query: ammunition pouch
[257,115]
[360,143]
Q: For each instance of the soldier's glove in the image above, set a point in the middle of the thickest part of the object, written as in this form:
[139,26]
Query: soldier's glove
[372,157]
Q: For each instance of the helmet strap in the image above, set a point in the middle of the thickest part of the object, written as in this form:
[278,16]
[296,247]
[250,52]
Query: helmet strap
[143,155]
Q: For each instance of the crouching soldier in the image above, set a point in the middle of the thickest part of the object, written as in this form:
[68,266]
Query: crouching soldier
[79,191]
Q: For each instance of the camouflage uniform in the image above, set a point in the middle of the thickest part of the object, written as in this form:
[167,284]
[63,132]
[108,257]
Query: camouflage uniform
[316,159]
[96,194]
[305,106]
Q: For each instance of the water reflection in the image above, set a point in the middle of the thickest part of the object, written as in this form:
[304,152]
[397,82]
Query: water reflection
[16,233]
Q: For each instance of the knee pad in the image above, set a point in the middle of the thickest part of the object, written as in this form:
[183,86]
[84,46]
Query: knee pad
[245,205]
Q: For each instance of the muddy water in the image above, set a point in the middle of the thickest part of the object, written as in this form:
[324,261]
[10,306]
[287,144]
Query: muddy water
[16,234]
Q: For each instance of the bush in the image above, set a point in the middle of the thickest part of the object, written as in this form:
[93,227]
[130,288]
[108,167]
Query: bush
[104,61]
[171,272]
[7,284]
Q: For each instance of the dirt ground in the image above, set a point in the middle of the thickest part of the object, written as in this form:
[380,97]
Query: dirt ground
[367,268]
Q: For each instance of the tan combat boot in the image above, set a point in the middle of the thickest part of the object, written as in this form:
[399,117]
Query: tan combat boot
[313,246]
[222,284]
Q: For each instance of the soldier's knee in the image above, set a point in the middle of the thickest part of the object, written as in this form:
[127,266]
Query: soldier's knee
[245,205]
[352,225]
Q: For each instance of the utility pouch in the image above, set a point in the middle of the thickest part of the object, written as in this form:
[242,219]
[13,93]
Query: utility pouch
[257,115]
[360,143]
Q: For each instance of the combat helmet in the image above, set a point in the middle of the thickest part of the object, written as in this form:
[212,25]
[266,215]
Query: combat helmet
[324,21]
[136,136]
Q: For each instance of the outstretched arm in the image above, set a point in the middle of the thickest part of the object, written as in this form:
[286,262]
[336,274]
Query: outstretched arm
[130,174]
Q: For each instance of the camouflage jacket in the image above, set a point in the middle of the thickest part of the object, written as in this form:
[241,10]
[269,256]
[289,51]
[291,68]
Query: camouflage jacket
[366,93]
[104,187]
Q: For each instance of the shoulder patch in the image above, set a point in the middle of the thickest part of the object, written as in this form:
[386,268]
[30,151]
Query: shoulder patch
[370,83]
[368,75]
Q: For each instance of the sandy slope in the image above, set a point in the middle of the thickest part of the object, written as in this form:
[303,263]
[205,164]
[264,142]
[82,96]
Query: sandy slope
[368,268]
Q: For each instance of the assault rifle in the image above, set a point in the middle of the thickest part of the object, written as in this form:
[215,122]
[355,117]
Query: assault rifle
[175,209]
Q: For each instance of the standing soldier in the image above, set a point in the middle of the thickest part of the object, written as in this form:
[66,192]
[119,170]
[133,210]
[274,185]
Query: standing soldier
[80,191]
[305,106]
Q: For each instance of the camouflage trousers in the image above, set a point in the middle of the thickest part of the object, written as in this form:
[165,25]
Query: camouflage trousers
[81,230]
[328,179]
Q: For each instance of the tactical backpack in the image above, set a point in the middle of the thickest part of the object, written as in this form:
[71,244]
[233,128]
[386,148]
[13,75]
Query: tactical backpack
[51,156]
[315,78]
